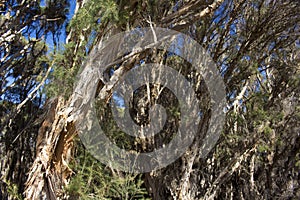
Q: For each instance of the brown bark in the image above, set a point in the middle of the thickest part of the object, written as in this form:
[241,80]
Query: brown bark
[50,171]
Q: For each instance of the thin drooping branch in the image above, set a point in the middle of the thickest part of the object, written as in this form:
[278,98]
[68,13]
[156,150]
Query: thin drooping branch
[177,25]
[30,95]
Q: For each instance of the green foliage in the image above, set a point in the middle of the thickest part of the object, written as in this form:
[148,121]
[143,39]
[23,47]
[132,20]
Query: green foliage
[67,62]
[92,12]
[92,180]
[13,190]
[263,148]
[66,66]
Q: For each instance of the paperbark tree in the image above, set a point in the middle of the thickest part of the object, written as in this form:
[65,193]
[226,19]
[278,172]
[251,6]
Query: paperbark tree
[255,45]
[24,68]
